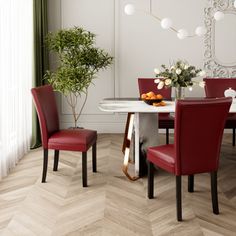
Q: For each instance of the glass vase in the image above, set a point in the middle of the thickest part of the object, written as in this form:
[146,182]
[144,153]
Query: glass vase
[179,92]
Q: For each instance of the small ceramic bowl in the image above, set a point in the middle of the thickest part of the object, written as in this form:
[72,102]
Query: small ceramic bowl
[230,93]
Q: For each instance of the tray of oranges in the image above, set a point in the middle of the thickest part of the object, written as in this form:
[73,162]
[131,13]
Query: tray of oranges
[153,99]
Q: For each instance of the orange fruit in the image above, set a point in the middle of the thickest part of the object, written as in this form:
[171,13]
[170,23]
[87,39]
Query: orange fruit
[159,96]
[143,96]
[157,104]
[153,97]
[162,103]
[150,94]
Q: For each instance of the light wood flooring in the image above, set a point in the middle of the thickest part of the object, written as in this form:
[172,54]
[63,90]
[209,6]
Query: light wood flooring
[112,205]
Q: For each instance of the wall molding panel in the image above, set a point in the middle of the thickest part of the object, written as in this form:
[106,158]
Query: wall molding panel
[104,23]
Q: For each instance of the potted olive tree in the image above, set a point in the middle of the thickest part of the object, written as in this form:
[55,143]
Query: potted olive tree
[79,62]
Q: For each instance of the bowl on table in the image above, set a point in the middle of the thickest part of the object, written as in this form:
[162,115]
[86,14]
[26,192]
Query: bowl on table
[152,101]
[151,98]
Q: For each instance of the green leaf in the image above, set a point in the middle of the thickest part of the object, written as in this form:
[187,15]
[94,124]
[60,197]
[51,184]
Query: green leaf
[79,60]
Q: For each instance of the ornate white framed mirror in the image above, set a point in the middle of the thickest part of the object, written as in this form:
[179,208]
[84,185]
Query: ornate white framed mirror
[220,39]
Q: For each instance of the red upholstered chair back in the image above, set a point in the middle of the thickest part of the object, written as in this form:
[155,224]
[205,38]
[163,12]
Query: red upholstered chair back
[215,87]
[147,84]
[199,127]
[45,103]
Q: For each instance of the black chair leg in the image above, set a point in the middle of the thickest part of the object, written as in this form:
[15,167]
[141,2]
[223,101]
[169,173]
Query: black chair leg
[56,159]
[233,137]
[167,136]
[84,169]
[178,198]
[94,157]
[214,193]
[191,183]
[150,179]
[45,165]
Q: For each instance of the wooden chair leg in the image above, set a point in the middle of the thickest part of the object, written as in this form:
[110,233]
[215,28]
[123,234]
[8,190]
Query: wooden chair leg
[45,165]
[167,136]
[56,159]
[150,179]
[84,169]
[191,183]
[214,193]
[233,137]
[178,198]
[94,157]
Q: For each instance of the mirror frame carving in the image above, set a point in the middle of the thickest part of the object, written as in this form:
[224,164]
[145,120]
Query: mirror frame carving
[213,67]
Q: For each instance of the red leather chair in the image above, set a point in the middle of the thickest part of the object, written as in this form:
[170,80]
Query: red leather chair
[54,138]
[214,88]
[165,120]
[199,126]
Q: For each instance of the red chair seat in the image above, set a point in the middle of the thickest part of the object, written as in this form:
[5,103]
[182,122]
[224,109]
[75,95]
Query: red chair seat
[72,140]
[164,116]
[165,154]
[231,121]
[166,121]
[231,116]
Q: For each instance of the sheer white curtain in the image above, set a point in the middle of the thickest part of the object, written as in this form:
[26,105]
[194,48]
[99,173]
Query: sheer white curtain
[16,72]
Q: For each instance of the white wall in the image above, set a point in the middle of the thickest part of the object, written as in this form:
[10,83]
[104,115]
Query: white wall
[137,43]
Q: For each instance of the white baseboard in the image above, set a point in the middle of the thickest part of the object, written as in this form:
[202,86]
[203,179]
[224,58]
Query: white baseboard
[114,127]
[107,128]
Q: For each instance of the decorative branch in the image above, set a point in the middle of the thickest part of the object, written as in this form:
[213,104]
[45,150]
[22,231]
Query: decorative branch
[85,99]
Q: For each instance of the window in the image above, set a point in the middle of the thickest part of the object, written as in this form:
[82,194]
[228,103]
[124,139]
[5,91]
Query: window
[16,73]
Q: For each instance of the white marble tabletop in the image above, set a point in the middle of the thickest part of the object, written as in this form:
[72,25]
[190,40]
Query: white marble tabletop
[137,106]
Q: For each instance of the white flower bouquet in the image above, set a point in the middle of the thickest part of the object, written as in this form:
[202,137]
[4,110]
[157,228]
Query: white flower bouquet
[179,74]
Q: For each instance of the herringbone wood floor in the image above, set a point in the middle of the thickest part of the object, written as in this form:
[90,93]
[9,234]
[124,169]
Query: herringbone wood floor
[111,205]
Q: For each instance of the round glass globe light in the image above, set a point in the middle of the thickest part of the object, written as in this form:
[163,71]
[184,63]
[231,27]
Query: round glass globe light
[200,31]
[219,15]
[129,9]
[182,34]
[166,23]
